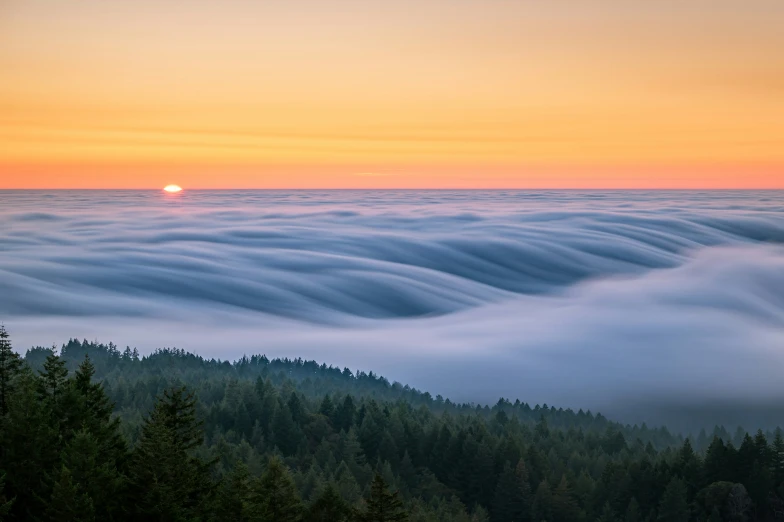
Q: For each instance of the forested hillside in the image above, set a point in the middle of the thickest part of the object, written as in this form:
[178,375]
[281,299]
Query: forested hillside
[89,432]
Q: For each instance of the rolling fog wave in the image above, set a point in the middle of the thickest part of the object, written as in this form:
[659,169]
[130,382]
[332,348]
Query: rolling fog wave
[568,297]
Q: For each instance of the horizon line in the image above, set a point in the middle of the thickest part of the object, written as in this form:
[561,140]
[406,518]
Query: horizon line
[381,189]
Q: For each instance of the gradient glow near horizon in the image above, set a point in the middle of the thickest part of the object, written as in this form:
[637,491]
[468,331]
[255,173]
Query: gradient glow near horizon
[427,93]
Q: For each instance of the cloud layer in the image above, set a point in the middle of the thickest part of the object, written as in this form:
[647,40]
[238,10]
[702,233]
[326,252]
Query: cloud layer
[594,299]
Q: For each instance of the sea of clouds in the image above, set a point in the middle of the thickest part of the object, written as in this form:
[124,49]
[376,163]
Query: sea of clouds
[646,305]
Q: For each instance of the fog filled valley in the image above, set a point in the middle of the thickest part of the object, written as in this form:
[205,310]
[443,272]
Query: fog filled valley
[378,356]
[665,307]
[92,432]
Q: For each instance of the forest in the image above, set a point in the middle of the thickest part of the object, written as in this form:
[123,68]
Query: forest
[89,432]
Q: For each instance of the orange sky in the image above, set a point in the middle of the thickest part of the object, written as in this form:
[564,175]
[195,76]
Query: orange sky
[406,93]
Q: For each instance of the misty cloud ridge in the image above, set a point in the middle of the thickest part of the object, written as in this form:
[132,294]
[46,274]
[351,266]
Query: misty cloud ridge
[574,298]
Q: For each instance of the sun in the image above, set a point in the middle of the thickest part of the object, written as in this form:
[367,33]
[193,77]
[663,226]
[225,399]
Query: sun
[172,188]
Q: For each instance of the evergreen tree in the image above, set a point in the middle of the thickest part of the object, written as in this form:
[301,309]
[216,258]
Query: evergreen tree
[777,457]
[64,457]
[608,514]
[512,495]
[68,503]
[168,482]
[96,416]
[542,507]
[327,408]
[347,485]
[287,433]
[633,513]
[10,364]
[60,398]
[382,505]
[674,505]
[30,448]
[345,414]
[233,496]
[329,507]
[95,476]
[354,456]
[716,466]
[564,505]
[53,381]
[5,503]
[274,496]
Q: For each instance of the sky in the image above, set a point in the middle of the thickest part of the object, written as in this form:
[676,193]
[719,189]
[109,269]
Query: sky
[406,93]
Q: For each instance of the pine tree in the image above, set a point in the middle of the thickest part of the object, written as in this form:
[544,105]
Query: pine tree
[777,456]
[168,482]
[96,416]
[347,485]
[633,512]
[327,408]
[542,507]
[232,497]
[54,377]
[480,515]
[30,447]
[345,414]
[382,505]
[329,507]
[96,476]
[716,468]
[406,470]
[60,398]
[689,467]
[275,497]
[512,496]
[287,433]
[565,507]
[674,505]
[10,364]
[759,485]
[608,514]
[68,503]
[5,503]
[354,457]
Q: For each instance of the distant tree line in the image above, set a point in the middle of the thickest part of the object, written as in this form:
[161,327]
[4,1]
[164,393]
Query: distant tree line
[92,433]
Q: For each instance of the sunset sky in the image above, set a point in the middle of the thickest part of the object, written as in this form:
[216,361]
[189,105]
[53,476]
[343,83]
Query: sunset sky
[405,93]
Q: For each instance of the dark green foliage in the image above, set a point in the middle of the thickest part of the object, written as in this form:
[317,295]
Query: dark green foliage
[287,433]
[274,496]
[232,499]
[382,505]
[90,432]
[10,365]
[512,499]
[93,469]
[5,502]
[29,448]
[168,482]
[674,505]
[633,513]
[68,503]
[54,377]
[607,514]
[329,506]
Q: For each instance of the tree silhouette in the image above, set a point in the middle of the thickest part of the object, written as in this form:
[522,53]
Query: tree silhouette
[382,504]
[275,497]
[168,481]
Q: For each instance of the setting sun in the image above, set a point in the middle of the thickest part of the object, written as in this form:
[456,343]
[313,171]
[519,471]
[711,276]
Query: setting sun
[172,188]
